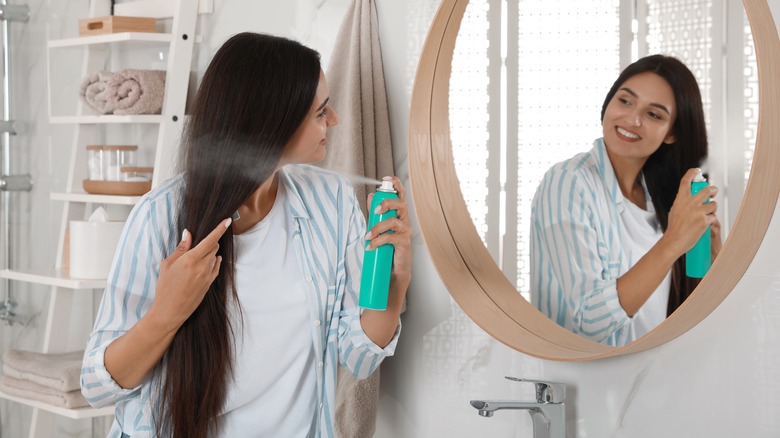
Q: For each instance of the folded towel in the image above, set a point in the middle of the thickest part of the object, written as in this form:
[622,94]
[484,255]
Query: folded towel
[32,391]
[93,92]
[136,91]
[60,371]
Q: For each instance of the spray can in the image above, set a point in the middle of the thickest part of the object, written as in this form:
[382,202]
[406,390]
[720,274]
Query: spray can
[377,263]
[699,258]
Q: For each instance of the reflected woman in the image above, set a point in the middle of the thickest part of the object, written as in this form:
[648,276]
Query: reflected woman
[610,227]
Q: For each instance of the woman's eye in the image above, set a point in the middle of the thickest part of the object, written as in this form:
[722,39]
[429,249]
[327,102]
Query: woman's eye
[623,101]
[323,113]
[654,115]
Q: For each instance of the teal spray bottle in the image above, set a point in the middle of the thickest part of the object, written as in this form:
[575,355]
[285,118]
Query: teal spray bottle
[377,263]
[698,258]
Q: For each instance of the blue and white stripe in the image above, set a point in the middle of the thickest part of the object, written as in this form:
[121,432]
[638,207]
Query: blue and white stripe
[330,231]
[576,251]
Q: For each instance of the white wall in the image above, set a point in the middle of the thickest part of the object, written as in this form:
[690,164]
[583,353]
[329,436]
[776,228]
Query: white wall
[720,379]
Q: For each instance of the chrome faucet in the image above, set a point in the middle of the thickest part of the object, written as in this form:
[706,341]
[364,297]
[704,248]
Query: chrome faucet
[548,413]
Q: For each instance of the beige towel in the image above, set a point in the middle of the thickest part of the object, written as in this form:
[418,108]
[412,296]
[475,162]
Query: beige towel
[32,391]
[136,91]
[356,405]
[59,371]
[93,93]
[361,143]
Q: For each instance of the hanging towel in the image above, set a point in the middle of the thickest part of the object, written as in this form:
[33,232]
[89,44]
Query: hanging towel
[32,391]
[361,143]
[136,91]
[93,93]
[60,371]
[356,404]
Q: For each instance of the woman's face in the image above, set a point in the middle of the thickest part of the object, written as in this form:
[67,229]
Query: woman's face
[639,118]
[309,144]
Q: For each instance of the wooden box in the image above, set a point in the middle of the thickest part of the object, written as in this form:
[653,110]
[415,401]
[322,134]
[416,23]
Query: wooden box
[115,24]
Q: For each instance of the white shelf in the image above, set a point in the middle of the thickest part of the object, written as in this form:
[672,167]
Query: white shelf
[129,37]
[70,413]
[106,118]
[51,277]
[95,199]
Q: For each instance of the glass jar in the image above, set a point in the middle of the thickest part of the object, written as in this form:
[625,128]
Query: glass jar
[95,163]
[136,174]
[104,161]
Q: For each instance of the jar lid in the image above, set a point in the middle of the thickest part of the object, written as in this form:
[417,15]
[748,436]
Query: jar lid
[105,147]
[128,169]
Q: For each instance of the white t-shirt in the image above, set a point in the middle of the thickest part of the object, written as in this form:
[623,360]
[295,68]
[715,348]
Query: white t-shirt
[274,393]
[642,232]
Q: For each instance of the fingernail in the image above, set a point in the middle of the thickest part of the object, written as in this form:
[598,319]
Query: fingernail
[378,209]
[368,235]
[387,178]
[228,222]
[185,235]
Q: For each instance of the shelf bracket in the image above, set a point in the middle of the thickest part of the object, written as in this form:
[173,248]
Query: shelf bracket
[15,13]
[9,126]
[16,183]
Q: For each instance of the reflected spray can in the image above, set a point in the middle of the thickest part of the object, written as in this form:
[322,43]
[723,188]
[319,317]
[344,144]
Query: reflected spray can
[699,258]
[377,263]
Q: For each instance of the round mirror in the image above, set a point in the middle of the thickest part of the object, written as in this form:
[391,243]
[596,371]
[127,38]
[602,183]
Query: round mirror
[526,89]
[457,246]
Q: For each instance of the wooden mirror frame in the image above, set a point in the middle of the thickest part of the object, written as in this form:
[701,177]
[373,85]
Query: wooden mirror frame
[469,272]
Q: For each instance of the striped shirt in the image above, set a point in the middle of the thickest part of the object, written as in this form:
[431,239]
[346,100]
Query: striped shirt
[577,247]
[328,238]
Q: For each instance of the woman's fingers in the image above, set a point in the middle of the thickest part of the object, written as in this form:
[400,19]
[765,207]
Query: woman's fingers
[205,246]
[399,188]
[185,275]
[685,182]
[379,235]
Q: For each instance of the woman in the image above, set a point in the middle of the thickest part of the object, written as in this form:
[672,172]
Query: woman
[211,326]
[610,227]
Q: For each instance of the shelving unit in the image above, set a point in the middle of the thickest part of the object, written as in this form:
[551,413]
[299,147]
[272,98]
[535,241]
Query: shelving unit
[57,277]
[90,129]
[107,119]
[75,414]
[95,199]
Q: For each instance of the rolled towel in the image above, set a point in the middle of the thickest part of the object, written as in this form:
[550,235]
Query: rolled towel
[136,91]
[32,391]
[93,92]
[59,371]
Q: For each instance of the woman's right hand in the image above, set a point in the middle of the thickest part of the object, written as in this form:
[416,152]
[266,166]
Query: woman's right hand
[185,277]
[690,215]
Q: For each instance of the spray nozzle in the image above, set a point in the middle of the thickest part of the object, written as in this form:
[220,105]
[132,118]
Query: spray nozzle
[699,176]
[387,186]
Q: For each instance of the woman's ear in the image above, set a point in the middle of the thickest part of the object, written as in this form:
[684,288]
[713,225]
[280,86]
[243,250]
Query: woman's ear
[670,138]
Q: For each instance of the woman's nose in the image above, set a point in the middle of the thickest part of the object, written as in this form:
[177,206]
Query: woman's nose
[635,119]
[333,117]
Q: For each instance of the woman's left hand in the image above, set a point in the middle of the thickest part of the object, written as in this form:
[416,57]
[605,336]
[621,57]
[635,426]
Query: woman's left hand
[400,238]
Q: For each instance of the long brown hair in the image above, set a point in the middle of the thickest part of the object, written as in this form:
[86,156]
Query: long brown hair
[666,166]
[254,94]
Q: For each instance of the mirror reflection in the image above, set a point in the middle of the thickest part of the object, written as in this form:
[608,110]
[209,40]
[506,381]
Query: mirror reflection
[535,74]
